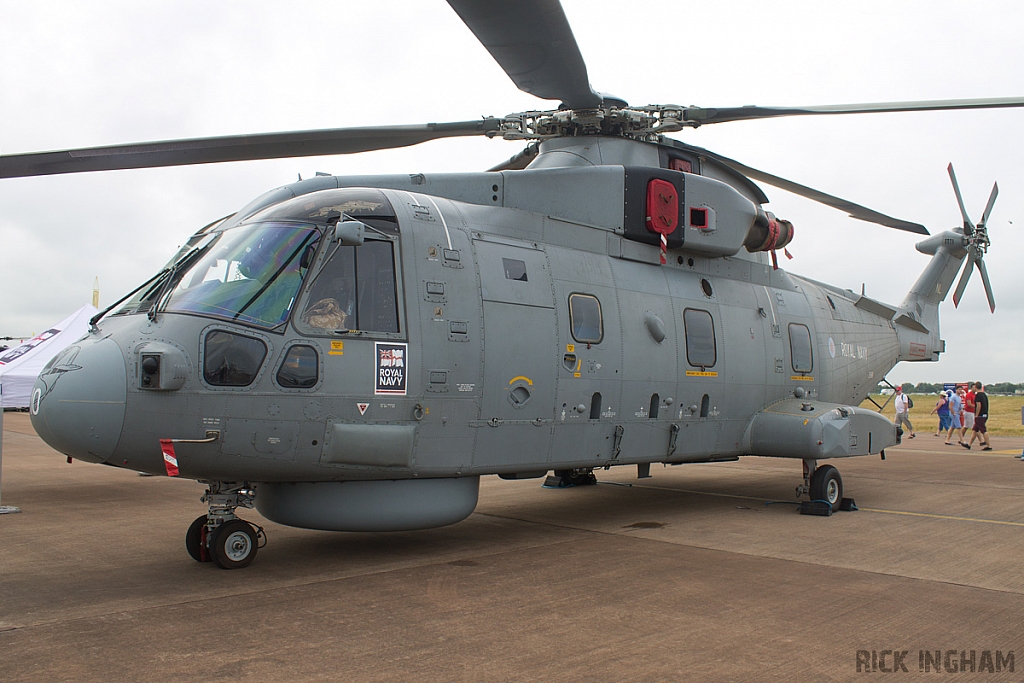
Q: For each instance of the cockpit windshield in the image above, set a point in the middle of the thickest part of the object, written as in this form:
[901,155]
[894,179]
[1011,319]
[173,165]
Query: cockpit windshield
[248,274]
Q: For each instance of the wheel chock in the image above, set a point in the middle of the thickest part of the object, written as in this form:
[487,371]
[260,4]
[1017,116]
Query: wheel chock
[816,507]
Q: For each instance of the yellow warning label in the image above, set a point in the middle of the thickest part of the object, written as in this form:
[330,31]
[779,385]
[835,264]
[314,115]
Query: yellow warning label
[569,348]
[802,378]
[337,348]
[698,373]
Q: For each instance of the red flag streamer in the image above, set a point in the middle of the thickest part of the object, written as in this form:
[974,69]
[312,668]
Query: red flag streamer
[773,238]
[170,460]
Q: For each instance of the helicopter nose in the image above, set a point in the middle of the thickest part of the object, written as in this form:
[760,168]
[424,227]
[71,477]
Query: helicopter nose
[78,401]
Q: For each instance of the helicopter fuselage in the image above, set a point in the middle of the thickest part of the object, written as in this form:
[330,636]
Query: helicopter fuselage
[472,337]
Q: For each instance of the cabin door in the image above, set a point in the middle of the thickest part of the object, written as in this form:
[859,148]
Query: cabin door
[520,353]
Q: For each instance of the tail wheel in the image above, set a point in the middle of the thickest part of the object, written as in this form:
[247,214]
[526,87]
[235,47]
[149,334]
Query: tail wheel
[233,544]
[827,485]
[195,540]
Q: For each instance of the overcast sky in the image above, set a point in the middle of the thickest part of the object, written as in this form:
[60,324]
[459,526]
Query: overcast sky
[76,74]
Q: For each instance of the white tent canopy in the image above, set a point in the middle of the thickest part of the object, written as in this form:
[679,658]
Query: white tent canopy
[20,366]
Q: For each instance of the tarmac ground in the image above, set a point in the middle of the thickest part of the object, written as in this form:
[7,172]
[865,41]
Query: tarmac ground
[702,572]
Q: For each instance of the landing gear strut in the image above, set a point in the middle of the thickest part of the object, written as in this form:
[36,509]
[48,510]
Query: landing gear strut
[822,484]
[220,536]
[582,476]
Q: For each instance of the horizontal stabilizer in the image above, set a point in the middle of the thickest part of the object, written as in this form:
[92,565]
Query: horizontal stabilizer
[875,307]
[908,322]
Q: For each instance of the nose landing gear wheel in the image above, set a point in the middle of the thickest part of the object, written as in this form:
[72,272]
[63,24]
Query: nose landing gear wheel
[827,485]
[195,540]
[233,544]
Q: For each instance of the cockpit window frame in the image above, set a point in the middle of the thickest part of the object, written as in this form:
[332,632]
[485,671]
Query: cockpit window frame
[162,297]
[323,259]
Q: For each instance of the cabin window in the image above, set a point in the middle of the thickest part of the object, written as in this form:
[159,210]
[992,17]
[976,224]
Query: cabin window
[355,290]
[800,347]
[514,269]
[300,368]
[585,318]
[701,351]
[232,360]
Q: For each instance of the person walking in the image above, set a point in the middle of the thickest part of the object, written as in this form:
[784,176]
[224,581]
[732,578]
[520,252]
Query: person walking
[980,417]
[968,411]
[903,411]
[956,407]
[942,410]
[965,413]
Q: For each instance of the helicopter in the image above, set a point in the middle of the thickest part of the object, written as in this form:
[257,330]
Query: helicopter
[353,352]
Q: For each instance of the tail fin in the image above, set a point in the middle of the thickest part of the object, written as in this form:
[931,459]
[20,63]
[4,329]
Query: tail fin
[917,324]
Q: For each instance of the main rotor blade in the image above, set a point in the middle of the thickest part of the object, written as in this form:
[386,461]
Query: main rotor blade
[991,201]
[700,115]
[532,42]
[968,225]
[988,285]
[237,148]
[964,277]
[854,210]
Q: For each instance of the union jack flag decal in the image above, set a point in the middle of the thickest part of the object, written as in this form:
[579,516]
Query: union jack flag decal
[390,371]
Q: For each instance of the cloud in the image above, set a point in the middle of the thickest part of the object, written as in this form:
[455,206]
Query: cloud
[78,74]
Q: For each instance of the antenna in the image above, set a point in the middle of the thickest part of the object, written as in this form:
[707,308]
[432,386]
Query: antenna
[96,293]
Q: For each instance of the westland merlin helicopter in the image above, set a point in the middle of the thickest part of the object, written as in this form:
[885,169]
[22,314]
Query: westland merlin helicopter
[354,353]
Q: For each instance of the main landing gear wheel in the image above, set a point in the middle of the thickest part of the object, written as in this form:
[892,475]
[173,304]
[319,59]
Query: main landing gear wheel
[233,544]
[195,540]
[827,485]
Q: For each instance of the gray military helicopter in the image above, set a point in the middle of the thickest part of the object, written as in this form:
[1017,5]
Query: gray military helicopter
[353,353]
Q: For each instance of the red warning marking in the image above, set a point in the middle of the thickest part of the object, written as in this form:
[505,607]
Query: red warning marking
[170,460]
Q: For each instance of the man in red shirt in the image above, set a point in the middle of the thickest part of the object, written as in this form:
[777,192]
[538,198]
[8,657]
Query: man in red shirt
[968,411]
[980,417]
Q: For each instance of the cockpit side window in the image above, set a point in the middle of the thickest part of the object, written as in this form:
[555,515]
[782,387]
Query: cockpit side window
[355,290]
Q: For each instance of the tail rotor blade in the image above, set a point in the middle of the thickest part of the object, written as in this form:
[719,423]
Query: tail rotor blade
[964,277]
[968,226]
[988,285]
[991,201]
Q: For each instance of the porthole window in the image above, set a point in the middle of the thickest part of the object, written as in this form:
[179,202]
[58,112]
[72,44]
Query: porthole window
[300,368]
[700,338]
[232,360]
[585,318]
[800,347]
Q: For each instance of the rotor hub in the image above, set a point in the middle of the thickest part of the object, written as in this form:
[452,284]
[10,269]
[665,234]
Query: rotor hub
[646,124]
